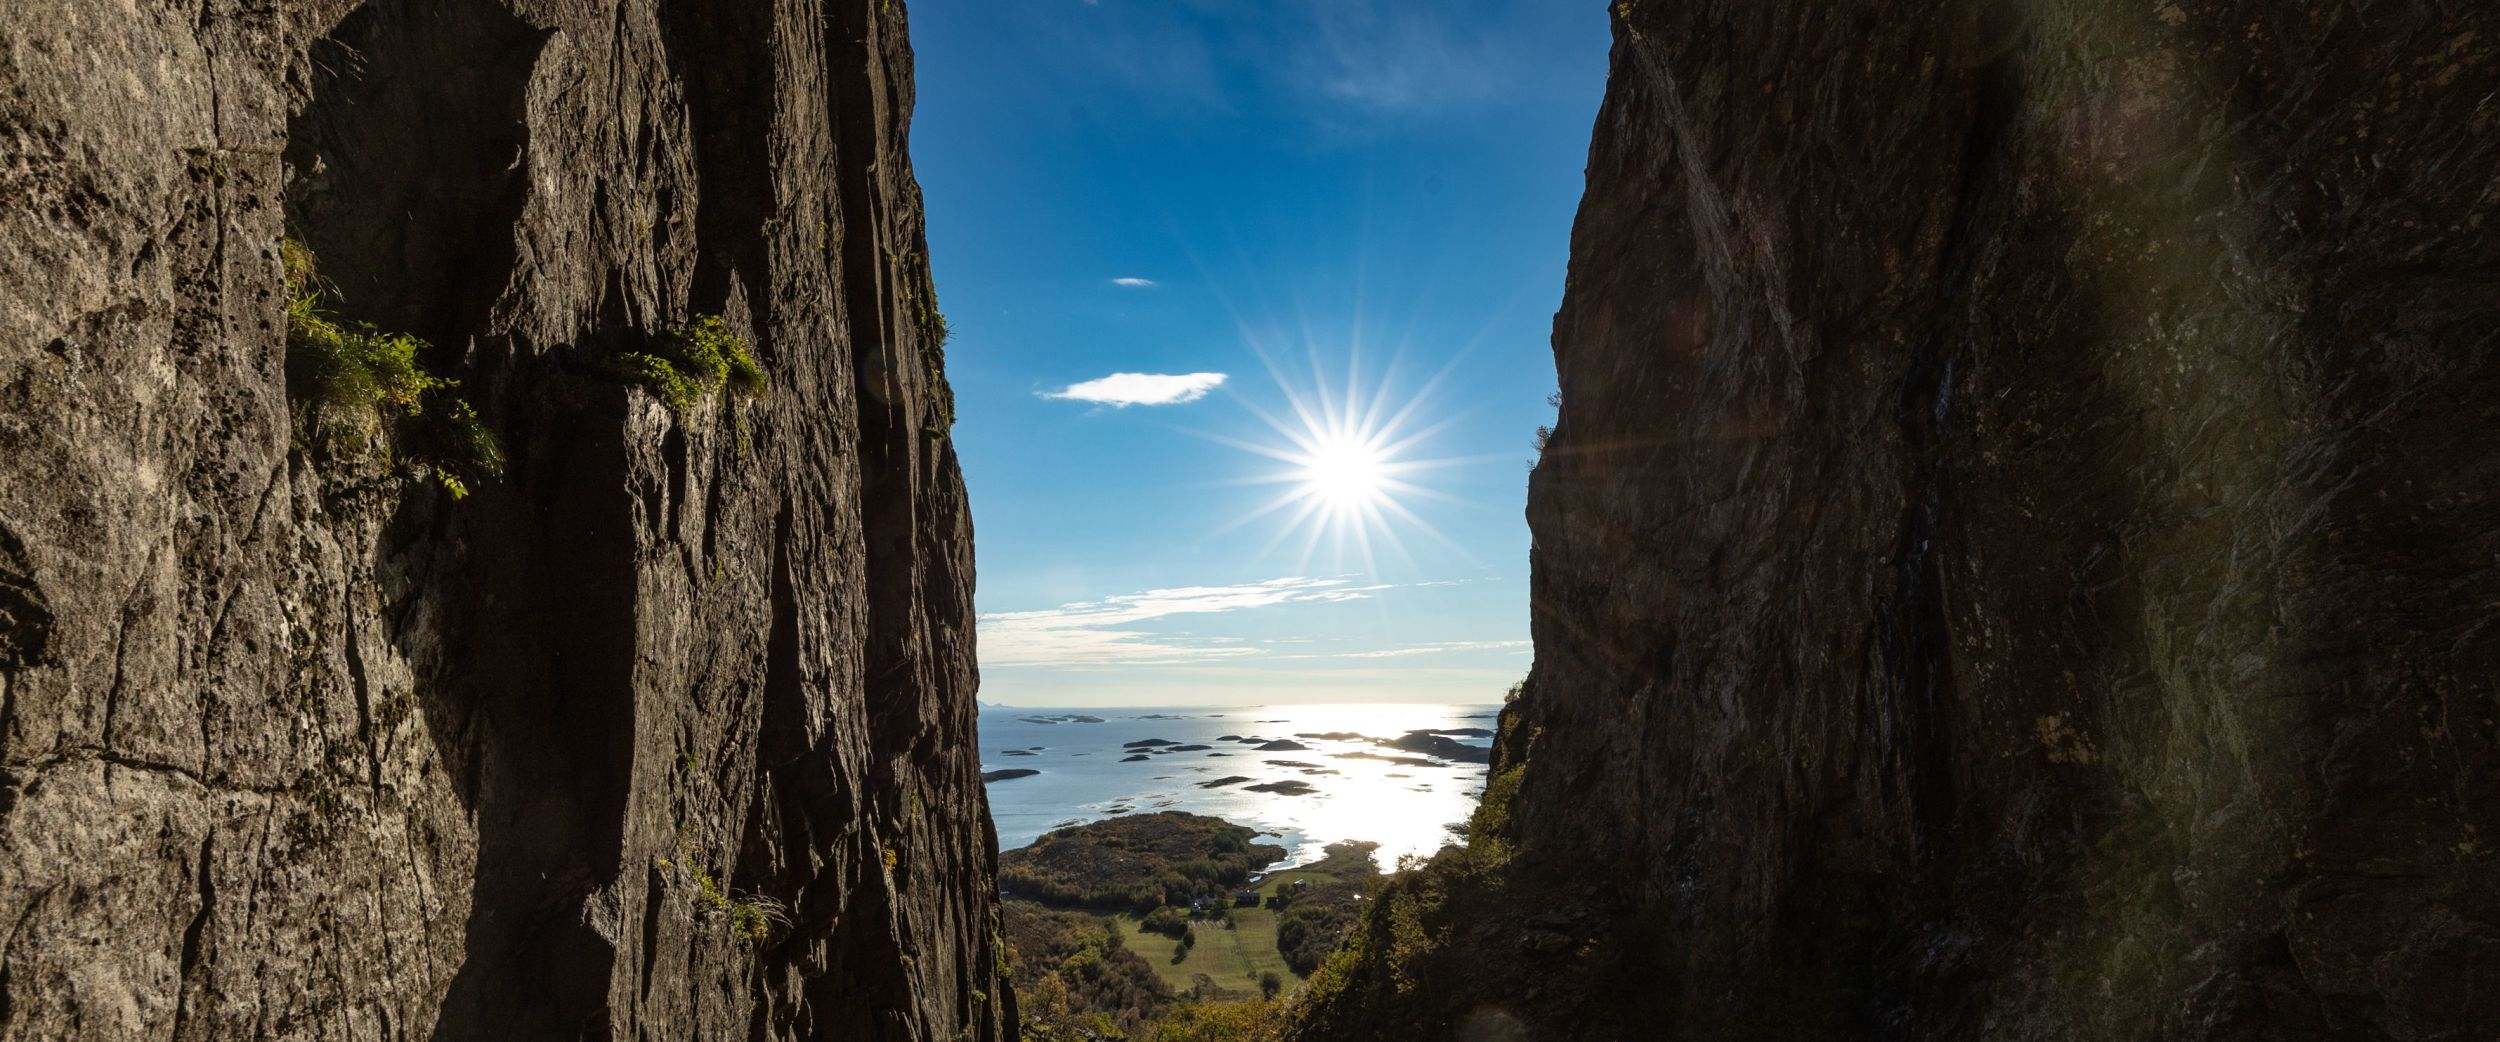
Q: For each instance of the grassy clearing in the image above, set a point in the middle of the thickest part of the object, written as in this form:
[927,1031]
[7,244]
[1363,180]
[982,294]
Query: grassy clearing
[1233,957]
[1267,887]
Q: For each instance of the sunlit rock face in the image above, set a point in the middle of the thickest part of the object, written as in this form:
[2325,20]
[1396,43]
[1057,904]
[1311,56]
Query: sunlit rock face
[2017,557]
[667,734]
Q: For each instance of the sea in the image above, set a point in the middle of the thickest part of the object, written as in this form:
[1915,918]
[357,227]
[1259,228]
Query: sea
[1412,805]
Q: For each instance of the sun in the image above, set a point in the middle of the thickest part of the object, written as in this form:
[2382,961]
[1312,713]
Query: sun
[1346,473]
[1348,464]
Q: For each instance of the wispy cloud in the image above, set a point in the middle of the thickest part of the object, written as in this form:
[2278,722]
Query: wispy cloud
[1441,648]
[1121,390]
[1132,281]
[1330,61]
[1107,632]
[1397,57]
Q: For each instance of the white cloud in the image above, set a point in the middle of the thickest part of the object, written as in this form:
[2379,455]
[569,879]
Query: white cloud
[1132,281]
[1442,647]
[1121,390]
[1105,632]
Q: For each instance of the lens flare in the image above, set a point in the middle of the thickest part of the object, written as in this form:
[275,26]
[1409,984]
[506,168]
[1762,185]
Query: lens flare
[1345,473]
[1347,461]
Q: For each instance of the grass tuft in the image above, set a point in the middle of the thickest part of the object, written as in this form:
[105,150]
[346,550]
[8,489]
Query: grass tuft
[685,363]
[349,382]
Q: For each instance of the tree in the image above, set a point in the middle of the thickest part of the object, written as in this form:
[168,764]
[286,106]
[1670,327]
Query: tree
[1270,984]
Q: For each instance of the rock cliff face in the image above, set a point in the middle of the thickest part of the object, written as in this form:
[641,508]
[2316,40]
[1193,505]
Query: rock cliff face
[667,733]
[2017,557]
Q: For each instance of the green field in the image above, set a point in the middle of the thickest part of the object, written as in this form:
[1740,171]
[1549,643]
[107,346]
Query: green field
[1234,957]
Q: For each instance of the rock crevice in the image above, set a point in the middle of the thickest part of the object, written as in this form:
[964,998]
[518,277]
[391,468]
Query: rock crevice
[666,733]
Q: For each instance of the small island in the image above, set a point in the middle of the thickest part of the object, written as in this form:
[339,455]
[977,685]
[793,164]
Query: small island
[1141,861]
[1435,745]
[1063,718]
[1008,774]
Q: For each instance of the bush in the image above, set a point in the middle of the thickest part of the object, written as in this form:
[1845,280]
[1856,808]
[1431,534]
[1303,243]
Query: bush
[1073,977]
[1168,921]
[1189,940]
[1270,984]
[687,362]
[349,382]
[1259,1021]
[1487,840]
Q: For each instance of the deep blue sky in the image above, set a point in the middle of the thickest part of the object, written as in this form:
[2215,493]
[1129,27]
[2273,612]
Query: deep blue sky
[1381,188]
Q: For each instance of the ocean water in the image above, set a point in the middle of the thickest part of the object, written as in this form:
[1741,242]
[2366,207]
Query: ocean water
[1406,808]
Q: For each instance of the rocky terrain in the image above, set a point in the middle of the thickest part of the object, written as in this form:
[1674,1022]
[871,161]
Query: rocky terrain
[665,731]
[2016,557]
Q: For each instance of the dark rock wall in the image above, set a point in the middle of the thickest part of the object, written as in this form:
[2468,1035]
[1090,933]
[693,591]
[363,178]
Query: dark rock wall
[2020,553]
[304,749]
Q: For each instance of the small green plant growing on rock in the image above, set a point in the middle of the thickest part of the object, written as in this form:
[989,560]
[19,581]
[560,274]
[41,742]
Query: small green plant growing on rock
[350,381]
[471,443]
[685,363]
[751,919]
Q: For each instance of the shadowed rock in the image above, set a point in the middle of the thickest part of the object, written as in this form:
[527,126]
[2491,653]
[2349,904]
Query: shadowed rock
[299,746]
[2015,557]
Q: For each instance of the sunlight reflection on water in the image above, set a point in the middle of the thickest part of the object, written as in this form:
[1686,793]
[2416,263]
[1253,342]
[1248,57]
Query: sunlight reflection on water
[1407,808]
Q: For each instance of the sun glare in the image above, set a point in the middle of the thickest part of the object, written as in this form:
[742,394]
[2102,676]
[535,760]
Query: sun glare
[1346,471]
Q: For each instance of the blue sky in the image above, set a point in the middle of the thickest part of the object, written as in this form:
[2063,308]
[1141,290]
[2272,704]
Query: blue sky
[1157,225]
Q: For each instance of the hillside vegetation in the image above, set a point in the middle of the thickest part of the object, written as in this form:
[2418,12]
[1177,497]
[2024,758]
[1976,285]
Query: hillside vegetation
[1075,977]
[1136,862]
[1152,970]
